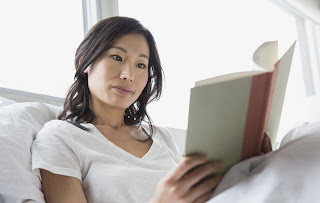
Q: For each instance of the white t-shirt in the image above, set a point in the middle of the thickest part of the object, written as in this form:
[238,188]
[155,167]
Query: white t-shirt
[107,172]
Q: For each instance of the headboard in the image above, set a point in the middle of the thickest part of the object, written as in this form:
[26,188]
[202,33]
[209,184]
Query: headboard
[23,96]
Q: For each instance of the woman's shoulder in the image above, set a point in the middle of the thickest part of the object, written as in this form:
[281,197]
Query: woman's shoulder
[63,124]
[58,128]
[55,122]
[56,125]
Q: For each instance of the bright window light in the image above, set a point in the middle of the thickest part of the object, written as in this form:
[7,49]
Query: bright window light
[38,42]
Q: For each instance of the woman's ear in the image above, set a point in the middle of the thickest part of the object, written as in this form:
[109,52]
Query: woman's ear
[86,70]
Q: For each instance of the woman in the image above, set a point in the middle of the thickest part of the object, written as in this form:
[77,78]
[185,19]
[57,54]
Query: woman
[100,150]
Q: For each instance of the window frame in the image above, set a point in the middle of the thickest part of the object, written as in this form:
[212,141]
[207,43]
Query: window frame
[310,55]
[96,10]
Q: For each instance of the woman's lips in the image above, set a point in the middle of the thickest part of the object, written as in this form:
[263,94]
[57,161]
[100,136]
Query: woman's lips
[123,90]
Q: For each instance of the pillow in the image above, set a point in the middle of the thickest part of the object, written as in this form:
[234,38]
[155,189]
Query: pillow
[19,123]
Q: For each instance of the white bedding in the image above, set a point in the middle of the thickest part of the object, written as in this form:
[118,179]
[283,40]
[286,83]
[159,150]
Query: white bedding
[19,123]
[290,174]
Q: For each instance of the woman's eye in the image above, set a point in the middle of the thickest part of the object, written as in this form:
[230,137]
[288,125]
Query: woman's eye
[116,57]
[141,65]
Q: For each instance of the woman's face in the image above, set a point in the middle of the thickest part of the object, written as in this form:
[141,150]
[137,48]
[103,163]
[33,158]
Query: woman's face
[117,78]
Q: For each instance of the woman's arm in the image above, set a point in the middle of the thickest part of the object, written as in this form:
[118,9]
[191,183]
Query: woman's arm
[60,189]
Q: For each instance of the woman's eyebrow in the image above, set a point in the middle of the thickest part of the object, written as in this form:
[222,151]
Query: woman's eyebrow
[120,48]
[125,51]
[144,56]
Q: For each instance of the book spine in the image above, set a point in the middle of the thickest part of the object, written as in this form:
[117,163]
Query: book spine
[262,88]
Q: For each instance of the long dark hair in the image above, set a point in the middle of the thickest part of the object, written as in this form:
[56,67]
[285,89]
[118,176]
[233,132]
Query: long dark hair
[98,40]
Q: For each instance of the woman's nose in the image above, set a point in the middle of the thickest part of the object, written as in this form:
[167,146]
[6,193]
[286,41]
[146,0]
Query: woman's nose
[127,74]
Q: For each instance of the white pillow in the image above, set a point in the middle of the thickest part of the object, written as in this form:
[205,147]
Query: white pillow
[19,123]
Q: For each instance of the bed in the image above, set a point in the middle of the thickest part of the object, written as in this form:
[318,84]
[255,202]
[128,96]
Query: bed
[289,174]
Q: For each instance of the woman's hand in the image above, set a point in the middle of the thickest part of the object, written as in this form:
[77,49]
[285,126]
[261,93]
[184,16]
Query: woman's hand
[189,181]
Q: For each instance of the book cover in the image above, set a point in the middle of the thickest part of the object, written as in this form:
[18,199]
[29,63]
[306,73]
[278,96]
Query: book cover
[229,114]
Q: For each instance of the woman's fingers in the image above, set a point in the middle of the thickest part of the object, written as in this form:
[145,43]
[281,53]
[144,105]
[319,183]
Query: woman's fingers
[198,173]
[187,164]
[204,189]
[266,144]
[191,180]
[196,182]
[204,197]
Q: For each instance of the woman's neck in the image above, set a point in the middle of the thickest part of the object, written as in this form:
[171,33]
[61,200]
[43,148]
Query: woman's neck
[109,116]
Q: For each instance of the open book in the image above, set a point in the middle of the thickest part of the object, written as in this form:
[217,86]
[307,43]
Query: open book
[229,114]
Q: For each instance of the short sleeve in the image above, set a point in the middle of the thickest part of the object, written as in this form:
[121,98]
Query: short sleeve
[55,150]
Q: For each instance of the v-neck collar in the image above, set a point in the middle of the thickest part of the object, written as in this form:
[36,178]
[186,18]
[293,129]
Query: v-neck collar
[153,148]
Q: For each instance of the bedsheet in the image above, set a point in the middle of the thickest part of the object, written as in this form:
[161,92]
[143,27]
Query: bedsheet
[289,174]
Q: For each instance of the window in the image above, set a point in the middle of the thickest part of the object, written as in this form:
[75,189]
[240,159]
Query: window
[38,42]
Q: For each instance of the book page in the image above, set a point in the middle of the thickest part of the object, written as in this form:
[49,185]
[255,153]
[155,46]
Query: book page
[279,94]
[266,55]
[227,77]
[263,58]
